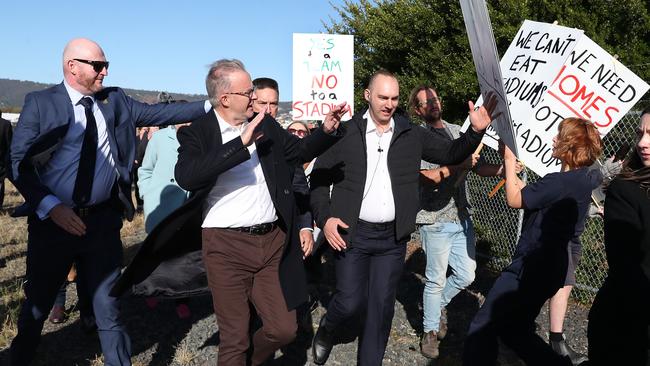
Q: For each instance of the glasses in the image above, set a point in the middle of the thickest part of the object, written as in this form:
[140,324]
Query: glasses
[248,93]
[98,66]
[428,101]
[299,133]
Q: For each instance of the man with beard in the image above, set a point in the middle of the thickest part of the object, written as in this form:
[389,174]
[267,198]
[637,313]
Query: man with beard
[71,155]
[446,233]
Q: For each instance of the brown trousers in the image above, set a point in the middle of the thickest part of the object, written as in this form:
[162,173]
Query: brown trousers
[243,268]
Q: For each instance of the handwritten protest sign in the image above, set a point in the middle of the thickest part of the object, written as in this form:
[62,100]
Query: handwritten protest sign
[323,75]
[552,72]
[592,85]
[528,68]
[486,61]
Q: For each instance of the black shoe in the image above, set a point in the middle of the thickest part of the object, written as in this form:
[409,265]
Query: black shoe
[563,349]
[322,344]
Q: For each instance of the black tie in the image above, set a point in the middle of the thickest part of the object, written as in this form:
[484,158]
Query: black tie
[84,183]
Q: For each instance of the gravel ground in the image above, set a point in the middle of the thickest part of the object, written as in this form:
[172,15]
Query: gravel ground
[160,338]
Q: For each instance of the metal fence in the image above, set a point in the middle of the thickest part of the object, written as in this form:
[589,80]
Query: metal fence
[498,226]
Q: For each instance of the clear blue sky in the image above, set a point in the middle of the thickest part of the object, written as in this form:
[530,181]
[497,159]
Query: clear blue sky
[159,45]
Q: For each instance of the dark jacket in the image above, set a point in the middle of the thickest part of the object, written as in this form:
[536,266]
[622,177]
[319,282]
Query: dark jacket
[345,166]
[202,157]
[5,142]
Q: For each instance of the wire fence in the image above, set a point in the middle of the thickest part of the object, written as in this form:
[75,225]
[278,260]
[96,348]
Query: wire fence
[498,226]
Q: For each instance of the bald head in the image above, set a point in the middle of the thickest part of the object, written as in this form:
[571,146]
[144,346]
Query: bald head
[78,70]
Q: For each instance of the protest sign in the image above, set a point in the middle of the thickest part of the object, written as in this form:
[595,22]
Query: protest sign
[528,68]
[486,61]
[323,75]
[592,85]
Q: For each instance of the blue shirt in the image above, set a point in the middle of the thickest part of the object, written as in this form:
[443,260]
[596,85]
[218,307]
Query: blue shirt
[60,173]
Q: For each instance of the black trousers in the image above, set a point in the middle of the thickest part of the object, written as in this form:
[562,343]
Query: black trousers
[509,313]
[50,254]
[367,274]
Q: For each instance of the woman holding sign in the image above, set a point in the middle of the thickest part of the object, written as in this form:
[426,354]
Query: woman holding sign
[619,318]
[555,209]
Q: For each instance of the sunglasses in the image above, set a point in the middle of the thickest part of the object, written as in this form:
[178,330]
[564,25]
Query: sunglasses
[98,66]
[428,101]
[301,133]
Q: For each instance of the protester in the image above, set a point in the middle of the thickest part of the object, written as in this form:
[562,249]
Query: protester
[71,156]
[371,213]
[555,210]
[619,319]
[447,232]
[5,143]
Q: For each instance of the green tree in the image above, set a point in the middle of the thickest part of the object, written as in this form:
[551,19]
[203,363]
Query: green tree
[424,41]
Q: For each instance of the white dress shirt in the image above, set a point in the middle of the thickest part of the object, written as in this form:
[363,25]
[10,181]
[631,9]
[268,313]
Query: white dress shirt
[240,196]
[378,204]
[60,173]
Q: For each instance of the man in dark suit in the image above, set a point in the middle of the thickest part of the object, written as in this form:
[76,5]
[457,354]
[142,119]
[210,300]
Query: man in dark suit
[71,155]
[5,141]
[250,247]
[240,175]
[371,213]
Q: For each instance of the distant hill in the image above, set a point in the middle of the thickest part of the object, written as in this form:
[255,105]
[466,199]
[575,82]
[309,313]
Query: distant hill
[12,94]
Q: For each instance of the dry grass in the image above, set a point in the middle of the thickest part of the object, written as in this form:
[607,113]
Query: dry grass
[184,355]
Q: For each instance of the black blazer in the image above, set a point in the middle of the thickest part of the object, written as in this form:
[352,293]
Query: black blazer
[344,166]
[202,157]
[5,142]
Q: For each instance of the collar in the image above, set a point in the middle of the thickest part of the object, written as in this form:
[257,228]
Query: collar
[372,127]
[227,127]
[75,96]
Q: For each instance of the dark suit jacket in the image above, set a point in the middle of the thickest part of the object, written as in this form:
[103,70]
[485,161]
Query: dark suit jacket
[344,166]
[44,122]
[202,157]
[5,141]
[301,192]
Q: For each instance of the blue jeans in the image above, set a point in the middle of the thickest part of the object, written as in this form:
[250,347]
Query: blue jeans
[446,244]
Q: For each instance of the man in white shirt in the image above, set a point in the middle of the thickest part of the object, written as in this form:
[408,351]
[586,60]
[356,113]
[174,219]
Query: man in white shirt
[371,213]
[240,172]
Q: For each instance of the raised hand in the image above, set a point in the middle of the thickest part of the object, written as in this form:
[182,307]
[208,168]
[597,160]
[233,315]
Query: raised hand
[333,118]
[482,117]
[252,132]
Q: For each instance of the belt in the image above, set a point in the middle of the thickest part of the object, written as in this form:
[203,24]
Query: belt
[377,225]
[85,211]
[259,229]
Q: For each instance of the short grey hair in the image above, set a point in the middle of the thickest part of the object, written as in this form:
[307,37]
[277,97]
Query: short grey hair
[218,79]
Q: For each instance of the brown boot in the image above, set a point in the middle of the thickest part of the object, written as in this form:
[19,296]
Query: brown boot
[429,344]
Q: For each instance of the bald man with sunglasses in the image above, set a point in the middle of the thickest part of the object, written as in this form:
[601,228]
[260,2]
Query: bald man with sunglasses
[71,155]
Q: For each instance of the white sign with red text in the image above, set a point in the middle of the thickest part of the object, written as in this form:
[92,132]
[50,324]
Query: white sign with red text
[592,85]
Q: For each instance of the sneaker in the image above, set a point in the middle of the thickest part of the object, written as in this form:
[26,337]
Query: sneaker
[563,349]
[57,315]
[442,331]
[183,311]
[429,345]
